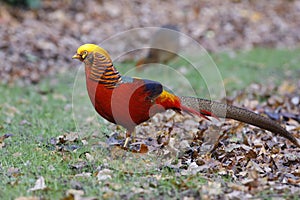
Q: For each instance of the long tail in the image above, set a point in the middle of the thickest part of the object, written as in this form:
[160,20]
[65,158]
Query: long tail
[199,113]
[232,112]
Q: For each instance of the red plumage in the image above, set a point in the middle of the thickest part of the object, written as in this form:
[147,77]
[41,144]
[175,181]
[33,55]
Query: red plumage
[124,100]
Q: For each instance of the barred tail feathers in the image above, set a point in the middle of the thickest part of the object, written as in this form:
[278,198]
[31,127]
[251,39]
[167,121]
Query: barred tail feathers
[240,114]
[202,113]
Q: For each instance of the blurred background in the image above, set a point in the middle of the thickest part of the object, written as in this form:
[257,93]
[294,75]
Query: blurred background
[38,37]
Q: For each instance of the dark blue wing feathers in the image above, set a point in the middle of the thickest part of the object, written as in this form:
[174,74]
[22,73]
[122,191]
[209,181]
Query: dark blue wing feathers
[153,88]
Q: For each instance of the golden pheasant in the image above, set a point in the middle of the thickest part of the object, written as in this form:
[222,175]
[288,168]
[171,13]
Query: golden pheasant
[130,101]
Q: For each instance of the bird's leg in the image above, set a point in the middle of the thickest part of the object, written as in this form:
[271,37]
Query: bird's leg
[129,135]
[126,142]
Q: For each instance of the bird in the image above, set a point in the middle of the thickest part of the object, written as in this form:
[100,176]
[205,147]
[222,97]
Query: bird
[164,46]
[128,101]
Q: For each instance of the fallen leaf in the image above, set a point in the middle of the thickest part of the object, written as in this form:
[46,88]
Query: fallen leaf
[3,137]
[39,185]
[79,165]
[104,174]
[14,172]
[138,148]
[68,137]
[73,194]
[84,174]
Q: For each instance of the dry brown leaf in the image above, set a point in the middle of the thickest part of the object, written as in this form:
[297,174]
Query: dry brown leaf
[67,137]
[73,194]
[2,138]
[14,172]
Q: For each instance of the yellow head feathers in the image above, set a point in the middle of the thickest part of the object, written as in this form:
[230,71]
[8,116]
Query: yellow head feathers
[84,50]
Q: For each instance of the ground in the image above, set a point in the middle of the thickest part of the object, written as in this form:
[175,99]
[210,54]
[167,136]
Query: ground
[54,146]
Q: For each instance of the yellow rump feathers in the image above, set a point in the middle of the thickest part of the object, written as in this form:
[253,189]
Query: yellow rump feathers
[167,96]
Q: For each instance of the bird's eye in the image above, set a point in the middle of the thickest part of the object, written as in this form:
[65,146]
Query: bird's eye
[84,54]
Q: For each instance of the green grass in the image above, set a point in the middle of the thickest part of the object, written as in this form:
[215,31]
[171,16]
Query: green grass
[34,115]
[258,65]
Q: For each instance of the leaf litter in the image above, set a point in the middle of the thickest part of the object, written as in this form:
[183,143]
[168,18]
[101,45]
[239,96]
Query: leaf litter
[40,41]
[254,160]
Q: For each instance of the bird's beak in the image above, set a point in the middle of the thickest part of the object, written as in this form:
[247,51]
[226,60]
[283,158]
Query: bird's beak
[76,56]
